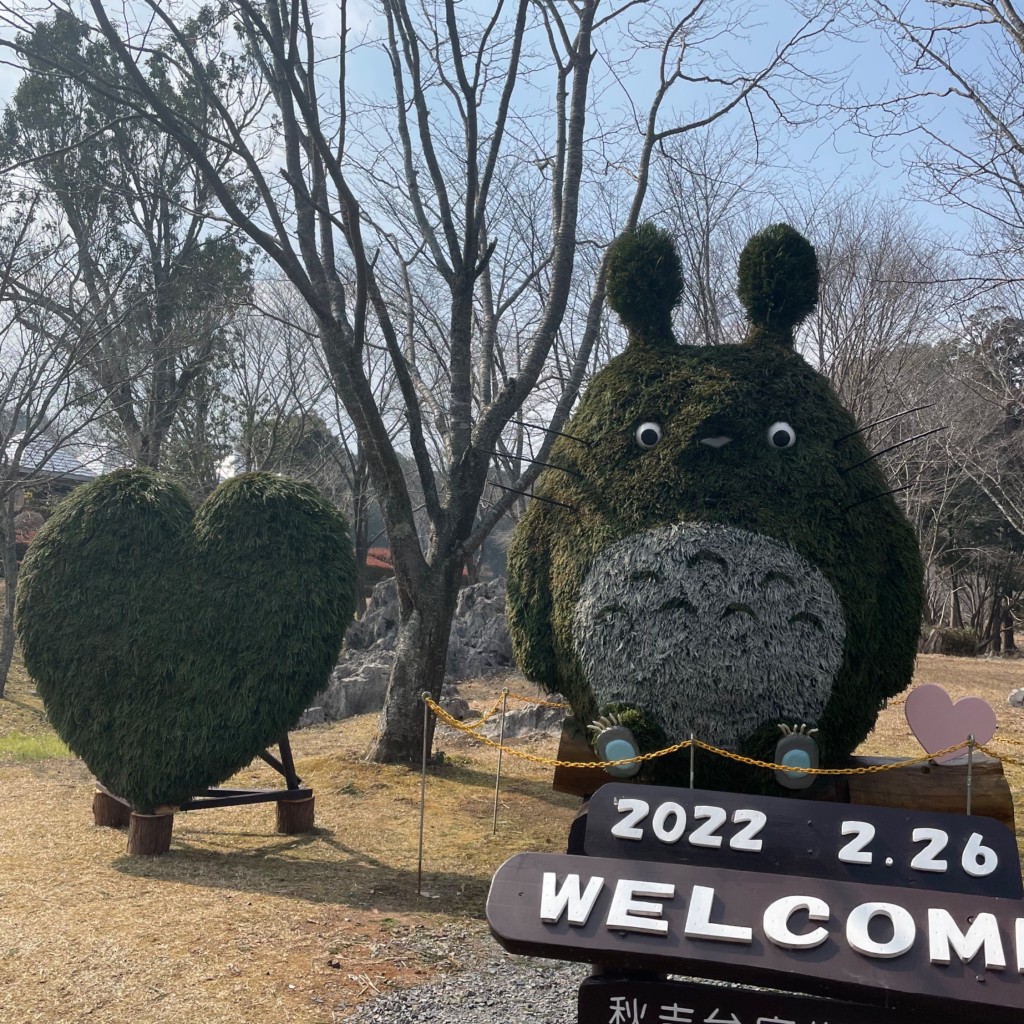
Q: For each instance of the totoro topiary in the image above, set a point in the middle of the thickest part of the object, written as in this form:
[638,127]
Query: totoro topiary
[724,557]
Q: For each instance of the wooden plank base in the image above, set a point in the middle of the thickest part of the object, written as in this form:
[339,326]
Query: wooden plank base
[149,834]
[936,787]
[921,787]
[108,811]
[295,816]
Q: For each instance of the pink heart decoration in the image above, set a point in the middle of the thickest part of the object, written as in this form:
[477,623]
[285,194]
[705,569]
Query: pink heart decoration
[939,723]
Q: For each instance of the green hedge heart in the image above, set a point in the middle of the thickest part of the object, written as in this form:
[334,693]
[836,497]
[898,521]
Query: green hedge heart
[170,646]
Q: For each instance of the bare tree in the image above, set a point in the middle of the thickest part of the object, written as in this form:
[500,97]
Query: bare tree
[885,298]
[716,188]
[957,110]
[127,202]
[44,406]
[415,207]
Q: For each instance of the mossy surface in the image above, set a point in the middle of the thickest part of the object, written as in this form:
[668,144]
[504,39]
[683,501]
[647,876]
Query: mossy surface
[803,496]
[645,283]
[171,647]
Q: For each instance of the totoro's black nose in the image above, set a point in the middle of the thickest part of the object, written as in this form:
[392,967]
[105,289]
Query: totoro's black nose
[711,501]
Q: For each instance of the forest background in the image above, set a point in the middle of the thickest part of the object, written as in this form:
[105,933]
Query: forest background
[363,244]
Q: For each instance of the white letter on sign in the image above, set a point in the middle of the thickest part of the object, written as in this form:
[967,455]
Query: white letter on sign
[944,932]
[698,920]
[776,922]
[1020,945]
[553,902]
[904,930]
[631,915]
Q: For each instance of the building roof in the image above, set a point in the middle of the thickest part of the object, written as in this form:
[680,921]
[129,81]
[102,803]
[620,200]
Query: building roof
[379,558]
[40,459]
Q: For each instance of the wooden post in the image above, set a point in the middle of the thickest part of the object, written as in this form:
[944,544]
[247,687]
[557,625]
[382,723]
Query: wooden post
[108,811]
[150,834]
[295,816]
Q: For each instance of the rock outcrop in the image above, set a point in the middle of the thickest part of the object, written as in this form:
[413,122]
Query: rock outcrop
[479,647]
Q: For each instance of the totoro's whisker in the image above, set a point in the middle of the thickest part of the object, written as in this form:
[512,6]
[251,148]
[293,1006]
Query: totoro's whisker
[536,497]
[881,494]
[884,419]
[551,430]
[526,458]
[898,444]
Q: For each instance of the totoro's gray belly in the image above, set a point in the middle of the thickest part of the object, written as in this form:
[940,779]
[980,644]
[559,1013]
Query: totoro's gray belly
[714,630]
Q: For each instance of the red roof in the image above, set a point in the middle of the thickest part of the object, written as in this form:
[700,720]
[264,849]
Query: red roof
[379,558]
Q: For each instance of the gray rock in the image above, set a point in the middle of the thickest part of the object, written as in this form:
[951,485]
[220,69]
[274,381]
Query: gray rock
[479,646]
[1016,698]
[311,716]
[457,707]
[379,623]
[524,720]
[357,688]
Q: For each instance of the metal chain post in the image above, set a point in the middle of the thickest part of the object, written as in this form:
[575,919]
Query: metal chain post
[970,770]
[425,696]
[501,750]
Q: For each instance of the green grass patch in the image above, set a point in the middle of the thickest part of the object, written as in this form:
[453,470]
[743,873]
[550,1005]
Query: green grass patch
[27,747]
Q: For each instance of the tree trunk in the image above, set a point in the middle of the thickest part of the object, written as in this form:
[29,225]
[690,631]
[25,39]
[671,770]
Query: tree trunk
[361,528]
[9,556]
[420,655]
[1009,644]
[956,618]
[995,637]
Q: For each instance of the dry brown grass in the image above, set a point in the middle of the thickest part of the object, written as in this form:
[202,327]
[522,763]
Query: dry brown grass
[238,924]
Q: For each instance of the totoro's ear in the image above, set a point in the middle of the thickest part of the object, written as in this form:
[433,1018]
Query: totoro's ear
[645,283]
[778,284]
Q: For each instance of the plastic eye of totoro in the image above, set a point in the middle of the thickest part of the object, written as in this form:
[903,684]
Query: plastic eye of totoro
[781,435]
[648,434]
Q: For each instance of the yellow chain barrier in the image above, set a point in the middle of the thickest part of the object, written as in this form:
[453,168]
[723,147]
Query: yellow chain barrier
[485,717]
[536,701]
[1005,758]
[454,723]
[866,770]
[523,755]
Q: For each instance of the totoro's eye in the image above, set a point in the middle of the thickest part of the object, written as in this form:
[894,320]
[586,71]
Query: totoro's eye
[781,435]
[648,434]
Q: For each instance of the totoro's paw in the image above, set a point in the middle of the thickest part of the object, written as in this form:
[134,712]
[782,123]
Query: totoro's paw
[798,749]
[613,741]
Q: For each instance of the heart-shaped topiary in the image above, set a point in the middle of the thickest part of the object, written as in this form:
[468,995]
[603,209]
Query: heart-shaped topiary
[170,646]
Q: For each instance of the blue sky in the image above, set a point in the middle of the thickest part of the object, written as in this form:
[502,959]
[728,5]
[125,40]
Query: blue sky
[831,152]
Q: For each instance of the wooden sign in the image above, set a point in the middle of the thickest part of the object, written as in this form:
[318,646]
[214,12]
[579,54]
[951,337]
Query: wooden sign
[641,1000]
[959,955]
[876,845]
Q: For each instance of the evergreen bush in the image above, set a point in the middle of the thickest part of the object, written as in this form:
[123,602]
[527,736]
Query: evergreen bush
[960,643]
[170,646]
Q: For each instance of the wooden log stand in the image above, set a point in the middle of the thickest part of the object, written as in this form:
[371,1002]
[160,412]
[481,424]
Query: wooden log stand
[150,834]
[922,787]
[109,811]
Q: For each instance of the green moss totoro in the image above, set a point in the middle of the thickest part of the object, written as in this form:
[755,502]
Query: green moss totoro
[728,561]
